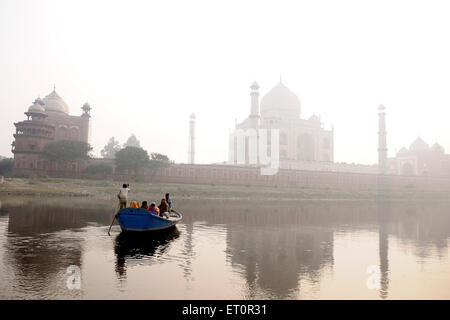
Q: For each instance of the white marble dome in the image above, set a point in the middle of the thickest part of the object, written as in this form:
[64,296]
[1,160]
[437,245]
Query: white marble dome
[437,148]
[54,103]
[280,102]
[419,145]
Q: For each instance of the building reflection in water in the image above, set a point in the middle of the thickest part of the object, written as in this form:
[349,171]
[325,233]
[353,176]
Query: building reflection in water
[278,250]
[38,250]
[138,246]
[188,252]
[383,206]
[42,241]
[275,248]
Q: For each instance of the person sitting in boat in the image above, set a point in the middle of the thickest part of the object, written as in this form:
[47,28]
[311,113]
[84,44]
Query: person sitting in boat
[164,209]
[134,204]
[123,195]
[154,209]
[145,205]
[169,201]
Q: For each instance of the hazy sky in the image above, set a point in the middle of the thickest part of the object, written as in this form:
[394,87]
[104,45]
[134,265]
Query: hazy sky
[145,66]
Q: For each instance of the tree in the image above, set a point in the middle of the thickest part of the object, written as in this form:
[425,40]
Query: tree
[132,142]
[67,150]
[110,149]
[6,166]
[132,158]
[158,160]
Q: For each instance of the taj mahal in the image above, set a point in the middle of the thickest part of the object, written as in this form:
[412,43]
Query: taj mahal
[300,140]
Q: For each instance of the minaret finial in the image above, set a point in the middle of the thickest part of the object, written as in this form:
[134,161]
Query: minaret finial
[54,87]
[281,79]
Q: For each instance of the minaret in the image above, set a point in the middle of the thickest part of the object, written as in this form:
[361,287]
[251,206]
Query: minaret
[382,147]
[254,105]
[254,122]
[86,123]
[191,152]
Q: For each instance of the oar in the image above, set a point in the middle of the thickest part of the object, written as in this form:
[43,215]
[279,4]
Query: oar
[114,219]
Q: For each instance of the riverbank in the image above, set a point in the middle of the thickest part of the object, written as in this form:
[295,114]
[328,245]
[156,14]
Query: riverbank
[107,189]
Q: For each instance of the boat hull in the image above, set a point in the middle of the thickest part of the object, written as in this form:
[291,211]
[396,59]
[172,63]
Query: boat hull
[141,220]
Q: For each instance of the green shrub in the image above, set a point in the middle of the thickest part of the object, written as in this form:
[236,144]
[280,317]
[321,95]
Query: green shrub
[100,168]
[22,175]
[6,166]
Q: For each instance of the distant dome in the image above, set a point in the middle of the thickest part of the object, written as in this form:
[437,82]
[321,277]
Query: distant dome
[437,148]
[314,118]
[54,103]
[419,145]
[36,108]
[39,101]
[403,150]
[280,102]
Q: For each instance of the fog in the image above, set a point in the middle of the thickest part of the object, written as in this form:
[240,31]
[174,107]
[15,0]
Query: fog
[144,67]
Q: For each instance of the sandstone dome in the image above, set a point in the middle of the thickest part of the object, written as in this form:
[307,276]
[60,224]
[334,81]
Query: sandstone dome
[54,103]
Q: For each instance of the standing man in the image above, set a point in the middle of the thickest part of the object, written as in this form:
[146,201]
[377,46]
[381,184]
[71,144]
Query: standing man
[123,196]
[168,200]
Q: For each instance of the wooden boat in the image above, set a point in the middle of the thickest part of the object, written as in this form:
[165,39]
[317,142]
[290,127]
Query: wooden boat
[138,219]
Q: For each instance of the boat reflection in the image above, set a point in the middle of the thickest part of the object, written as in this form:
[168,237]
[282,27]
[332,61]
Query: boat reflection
[131,246]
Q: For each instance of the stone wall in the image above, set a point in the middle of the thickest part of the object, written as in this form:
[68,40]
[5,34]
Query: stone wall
[235,175]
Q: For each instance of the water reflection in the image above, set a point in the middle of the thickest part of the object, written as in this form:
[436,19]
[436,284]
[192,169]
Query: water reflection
[43,241]
[383,245]
[282,251]
[138,246]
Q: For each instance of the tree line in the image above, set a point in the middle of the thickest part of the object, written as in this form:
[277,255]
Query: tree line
[129,157]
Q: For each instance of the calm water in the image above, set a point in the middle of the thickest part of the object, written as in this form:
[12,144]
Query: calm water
[298,250]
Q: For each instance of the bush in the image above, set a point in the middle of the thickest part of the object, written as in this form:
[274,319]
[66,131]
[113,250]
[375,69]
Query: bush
[67,150]
[132,158]
[99,169]
[6,166]
[22,175]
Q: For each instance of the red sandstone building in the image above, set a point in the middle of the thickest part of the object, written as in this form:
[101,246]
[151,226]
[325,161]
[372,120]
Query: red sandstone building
[47,120]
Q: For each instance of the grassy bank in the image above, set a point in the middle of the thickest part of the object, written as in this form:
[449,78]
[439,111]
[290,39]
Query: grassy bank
[104,189]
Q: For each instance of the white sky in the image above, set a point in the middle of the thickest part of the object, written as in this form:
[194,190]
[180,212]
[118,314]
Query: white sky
[145,66]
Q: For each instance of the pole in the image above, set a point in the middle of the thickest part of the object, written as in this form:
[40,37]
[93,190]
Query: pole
[114,219]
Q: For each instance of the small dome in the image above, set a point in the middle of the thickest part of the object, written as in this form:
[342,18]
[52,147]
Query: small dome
[54,103]
[36,108]
[403,150]
[419,145]
[314,118]
[280,102]
[39,101]
[437,148]
[254,86]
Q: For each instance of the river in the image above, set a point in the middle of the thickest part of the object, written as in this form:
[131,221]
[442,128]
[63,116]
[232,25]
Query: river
[60,249]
